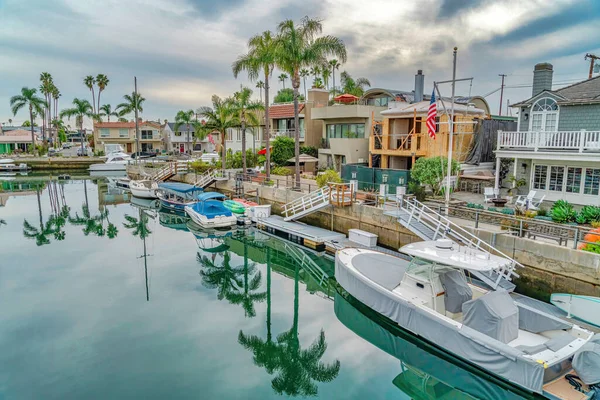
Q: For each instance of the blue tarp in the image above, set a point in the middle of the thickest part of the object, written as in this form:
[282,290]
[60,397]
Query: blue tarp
[211,209]
[179,187]
[210,195]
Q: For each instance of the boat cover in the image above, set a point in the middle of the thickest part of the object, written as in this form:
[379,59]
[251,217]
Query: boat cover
[494,314]
[463,341]
[179,187]
[586,362]
[456,290]
[537,321]
[211,195]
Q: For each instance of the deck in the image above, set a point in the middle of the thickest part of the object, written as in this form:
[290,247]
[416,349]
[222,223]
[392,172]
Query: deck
[297,232]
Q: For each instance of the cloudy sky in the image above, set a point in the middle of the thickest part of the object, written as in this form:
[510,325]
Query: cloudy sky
[181,50]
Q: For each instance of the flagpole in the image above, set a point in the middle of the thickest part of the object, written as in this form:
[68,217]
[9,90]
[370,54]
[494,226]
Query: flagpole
[450,134]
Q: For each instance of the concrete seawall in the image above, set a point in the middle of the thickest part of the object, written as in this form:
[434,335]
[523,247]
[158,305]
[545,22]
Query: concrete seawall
[548,268]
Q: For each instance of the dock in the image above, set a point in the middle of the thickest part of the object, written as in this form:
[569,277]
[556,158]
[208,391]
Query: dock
[306,235]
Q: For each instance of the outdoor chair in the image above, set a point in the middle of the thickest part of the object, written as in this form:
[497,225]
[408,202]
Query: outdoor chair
[488,194]
[524,200]
[535,203]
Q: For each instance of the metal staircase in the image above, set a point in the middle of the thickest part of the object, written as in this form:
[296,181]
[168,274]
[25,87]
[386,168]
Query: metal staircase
[430,225]
[311,267]
[307,204]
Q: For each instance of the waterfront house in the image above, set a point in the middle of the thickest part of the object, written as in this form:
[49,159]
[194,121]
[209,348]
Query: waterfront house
[123,133]
[557,146]
[182,141]
[16,139]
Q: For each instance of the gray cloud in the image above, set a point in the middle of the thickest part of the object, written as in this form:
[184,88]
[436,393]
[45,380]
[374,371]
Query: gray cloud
[450,8]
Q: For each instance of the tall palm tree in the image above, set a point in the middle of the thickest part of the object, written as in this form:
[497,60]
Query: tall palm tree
[282,78]
[244,109]
[260,58]
[220,118]
[36,104]
[89,81]
[225,278]
[303,74]
[247,298]
[333,64]
[315,71]
[325,74]
[353,86]
[106,111]
[300,47]
[260,85]
[46,88]
[102,82]
[81,108]
[130,103]
[187,119]
[56,96]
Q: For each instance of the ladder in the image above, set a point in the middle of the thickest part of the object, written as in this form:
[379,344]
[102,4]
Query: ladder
[430,225]
[307,204]
[311,267]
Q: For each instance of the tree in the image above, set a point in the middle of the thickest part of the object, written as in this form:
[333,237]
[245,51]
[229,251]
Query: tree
[187,119]
[333,64]
[60,128]
[36,104]
[260,58]
[102,82]
[286,96]
[260,85]
[315,71]
[432,171]
[89,222]
[282,78]
[325,74]
[247,298]
[131,102]
[299,47]
[106,111]
[40,235]
[220,118]
[225,278]
[10,121]
[244,110]
[89,82]
[283,150]
[46,88]
[303,74]
[353,86]
[56,96]
[318,83]
[81,108]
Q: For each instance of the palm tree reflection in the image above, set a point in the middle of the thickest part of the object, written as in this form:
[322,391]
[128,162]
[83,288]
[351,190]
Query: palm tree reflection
[225,278]
[45,229]
[138,227]
[251,284]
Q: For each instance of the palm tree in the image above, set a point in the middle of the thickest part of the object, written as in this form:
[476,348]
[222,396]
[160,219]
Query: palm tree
[260,58]
[225,278]
[81,108]
[140,228]
[102,82]
[260,85]
[188,119]
[353,86]
[59,126]
[325,74]
[35,103]
[106,111]
[130,103]
[244,109]
[10,121]
[303,74]
[248,298]
[56,95]
[40,235]
[90,223]
[315,71]
[282,78]
[121,119]
[220,118]
[46,87]
[89,81]
[333,64]
[299,47]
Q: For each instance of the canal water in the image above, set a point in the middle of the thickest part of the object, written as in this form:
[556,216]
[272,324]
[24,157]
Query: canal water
[105,297]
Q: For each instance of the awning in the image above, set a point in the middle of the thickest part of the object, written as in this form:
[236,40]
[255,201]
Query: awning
[346,98]
[304,158]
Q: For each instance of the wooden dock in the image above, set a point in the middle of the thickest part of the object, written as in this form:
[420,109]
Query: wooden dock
[306,235]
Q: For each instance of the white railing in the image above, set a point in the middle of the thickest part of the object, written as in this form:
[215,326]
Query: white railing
[306,204]
[206,179]
[285,132]
[572,141]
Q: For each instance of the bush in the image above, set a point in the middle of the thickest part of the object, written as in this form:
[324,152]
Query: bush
[328,176]
[475,206]
[542,212]
[493,209]
[563,212]
[507,211]
[432,171]
[417,190]
[589,214]
[283,150]
[283,171]
[99,153]
[543,218]
[200,167]
[309,150]
[530,214]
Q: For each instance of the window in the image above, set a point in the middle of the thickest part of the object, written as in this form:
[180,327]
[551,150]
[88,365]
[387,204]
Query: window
[104,132]
[544,115]
[557,175]
[147,135]
[346,131]
[123,132]
[574,180]
[592,181]
[540,173]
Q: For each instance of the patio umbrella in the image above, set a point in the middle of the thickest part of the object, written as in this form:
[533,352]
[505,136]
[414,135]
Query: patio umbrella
[263,152]
[346,98]
[305,158]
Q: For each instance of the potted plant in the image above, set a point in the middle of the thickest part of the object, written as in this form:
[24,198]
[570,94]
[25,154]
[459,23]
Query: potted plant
[516,184]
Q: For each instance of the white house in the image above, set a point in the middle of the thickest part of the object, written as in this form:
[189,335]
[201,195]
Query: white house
[183,141]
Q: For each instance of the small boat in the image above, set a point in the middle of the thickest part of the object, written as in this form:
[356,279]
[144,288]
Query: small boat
[119,182]
[584,308]
[235,207]
[175,196]
[429,296]
[114,162]
[144,203]
[9,165]
[210,211]
[145,188]
[246,203]
[64,177]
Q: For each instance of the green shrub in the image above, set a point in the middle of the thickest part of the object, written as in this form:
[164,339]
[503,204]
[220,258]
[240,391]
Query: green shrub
[542,212]
[432,171]
[493,209]
[283,150]
[281,171]
[417,190]
[542,218]
[99,153]
[563,212]
[200,167]
[589,214]
[507,211]
[309,150]
[592,248]
[475,206]
[328,176]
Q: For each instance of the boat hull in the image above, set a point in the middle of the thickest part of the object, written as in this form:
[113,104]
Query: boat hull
[219,221]
[143,193]
[173,205]
[584,308]
[107,167]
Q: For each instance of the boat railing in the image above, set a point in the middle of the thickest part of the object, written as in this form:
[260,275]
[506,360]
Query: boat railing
[311,267]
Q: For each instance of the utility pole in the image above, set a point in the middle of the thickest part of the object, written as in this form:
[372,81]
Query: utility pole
[137,132]
[501,92]
[451,126]
[592,59]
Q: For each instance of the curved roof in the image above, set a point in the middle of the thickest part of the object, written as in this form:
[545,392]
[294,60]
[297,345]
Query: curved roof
[179,187]
[211,195]
[407,96]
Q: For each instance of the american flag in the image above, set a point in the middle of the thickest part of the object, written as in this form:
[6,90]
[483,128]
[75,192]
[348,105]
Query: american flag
[431,114]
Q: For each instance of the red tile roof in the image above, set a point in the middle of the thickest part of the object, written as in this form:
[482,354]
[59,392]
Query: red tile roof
[278,111]
[114,125]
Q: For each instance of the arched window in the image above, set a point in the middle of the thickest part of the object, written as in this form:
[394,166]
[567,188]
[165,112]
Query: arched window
[544,115]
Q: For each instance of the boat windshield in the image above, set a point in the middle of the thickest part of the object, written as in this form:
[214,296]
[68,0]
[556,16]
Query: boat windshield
[425,269]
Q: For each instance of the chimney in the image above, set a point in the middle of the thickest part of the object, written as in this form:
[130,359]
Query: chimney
[419,85]
[542,78]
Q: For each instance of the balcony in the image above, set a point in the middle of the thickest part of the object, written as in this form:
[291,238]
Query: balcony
[324,111]
[559,141]
[285,132]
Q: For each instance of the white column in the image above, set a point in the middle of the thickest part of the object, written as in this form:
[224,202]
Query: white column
[497,183]
[515,171]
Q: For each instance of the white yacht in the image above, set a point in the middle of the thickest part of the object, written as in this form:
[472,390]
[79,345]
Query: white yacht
[9,165]
[430,295]
[114,162]
[145,188]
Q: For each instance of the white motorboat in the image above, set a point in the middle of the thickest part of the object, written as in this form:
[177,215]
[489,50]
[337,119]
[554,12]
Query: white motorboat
[114,162]
[209,211]
[430,297]
[9,165]
[145,188]
[584,308]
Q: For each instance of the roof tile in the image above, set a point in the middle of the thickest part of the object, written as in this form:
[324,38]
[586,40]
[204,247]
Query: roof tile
[278,111]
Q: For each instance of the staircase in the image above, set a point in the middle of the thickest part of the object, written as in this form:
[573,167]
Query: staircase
[307,204]
[430,225]
[206,179]
[311,267]
[164,173]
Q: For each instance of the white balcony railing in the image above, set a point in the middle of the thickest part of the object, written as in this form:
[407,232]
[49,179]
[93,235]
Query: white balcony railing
[571,141]
[285,132]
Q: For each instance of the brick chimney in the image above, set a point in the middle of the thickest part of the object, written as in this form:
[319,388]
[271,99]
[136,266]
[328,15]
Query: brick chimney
[419,85]
[542,78]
